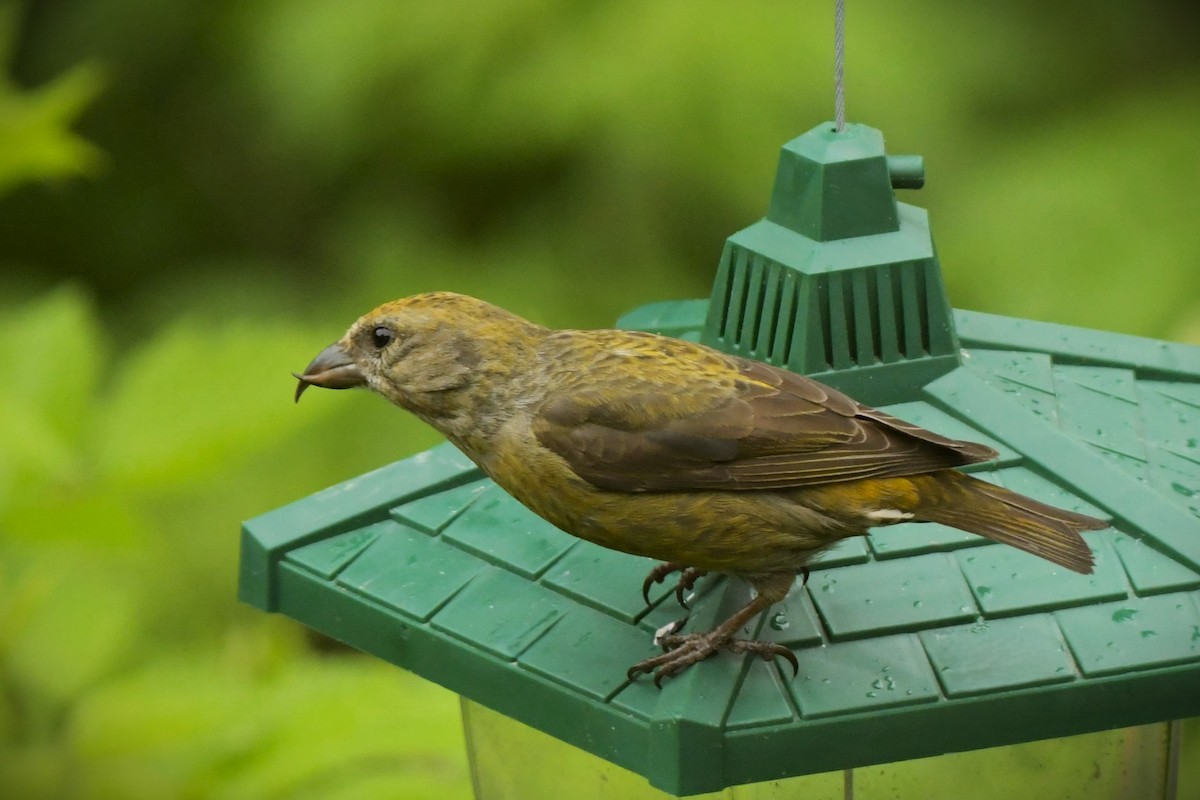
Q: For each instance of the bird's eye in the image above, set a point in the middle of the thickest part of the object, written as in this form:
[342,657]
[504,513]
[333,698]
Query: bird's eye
[381,337]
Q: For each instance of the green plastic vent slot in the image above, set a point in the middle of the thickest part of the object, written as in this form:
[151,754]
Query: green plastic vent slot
[839,281]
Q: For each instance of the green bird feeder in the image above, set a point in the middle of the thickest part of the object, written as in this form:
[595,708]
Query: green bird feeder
[916,642]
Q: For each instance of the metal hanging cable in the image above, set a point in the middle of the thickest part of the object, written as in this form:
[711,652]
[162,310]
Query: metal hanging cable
[839,62]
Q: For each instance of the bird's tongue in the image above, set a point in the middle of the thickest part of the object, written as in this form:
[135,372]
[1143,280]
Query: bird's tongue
[331,369]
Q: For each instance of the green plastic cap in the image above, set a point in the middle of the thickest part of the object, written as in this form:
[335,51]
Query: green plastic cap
[839,281]
[833,185]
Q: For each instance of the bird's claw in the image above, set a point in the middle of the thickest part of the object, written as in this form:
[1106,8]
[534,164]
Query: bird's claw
[687,579]
[684,650]
[656,576]
[766,650]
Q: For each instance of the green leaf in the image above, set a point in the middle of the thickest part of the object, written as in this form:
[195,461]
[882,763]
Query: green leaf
[35,140]
[199,397]
[340,722]
[319,727]
[92,514]
[33,771]
[1079,221]
[53,351]
[78,621]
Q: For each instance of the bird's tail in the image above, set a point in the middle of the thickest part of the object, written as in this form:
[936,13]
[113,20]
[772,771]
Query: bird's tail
[955,499]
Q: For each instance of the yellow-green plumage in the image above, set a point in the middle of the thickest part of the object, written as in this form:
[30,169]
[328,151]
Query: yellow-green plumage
[669,449]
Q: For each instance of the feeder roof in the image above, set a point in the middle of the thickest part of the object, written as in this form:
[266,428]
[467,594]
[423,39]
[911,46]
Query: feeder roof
[915,641]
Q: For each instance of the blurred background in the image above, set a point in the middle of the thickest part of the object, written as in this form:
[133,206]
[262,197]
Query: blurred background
[198,195]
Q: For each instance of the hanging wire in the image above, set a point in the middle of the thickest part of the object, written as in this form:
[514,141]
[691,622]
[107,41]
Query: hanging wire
[839,61]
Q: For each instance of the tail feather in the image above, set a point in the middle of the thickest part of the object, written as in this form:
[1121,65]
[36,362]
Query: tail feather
[1013,519]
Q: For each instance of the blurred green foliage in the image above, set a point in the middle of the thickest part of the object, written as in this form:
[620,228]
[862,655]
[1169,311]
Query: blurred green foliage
[197,196]
[35,142]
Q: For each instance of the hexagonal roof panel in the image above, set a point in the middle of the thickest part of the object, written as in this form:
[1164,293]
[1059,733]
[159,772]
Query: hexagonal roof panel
[919,640]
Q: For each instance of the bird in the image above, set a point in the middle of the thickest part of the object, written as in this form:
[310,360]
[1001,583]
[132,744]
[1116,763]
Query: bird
[672,450]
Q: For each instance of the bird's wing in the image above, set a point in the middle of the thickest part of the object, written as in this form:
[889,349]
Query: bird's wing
[749,426]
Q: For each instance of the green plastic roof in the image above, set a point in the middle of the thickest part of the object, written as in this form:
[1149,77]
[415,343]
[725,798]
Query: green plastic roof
[916,641]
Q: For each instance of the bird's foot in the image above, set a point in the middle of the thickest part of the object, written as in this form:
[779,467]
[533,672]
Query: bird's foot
[684,650]
[687,579]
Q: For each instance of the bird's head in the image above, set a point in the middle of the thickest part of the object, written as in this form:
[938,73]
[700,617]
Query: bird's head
[432,354]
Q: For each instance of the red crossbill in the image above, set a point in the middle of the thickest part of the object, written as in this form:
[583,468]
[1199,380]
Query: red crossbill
[669,449]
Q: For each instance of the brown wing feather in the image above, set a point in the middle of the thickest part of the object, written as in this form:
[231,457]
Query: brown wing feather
[772,429]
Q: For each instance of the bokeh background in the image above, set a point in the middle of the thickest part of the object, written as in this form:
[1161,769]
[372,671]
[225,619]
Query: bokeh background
[197,195]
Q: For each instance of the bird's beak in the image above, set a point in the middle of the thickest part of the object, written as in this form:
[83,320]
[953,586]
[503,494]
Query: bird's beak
[331,369]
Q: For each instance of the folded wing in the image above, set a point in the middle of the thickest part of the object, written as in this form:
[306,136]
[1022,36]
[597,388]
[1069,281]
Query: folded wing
[752,427]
